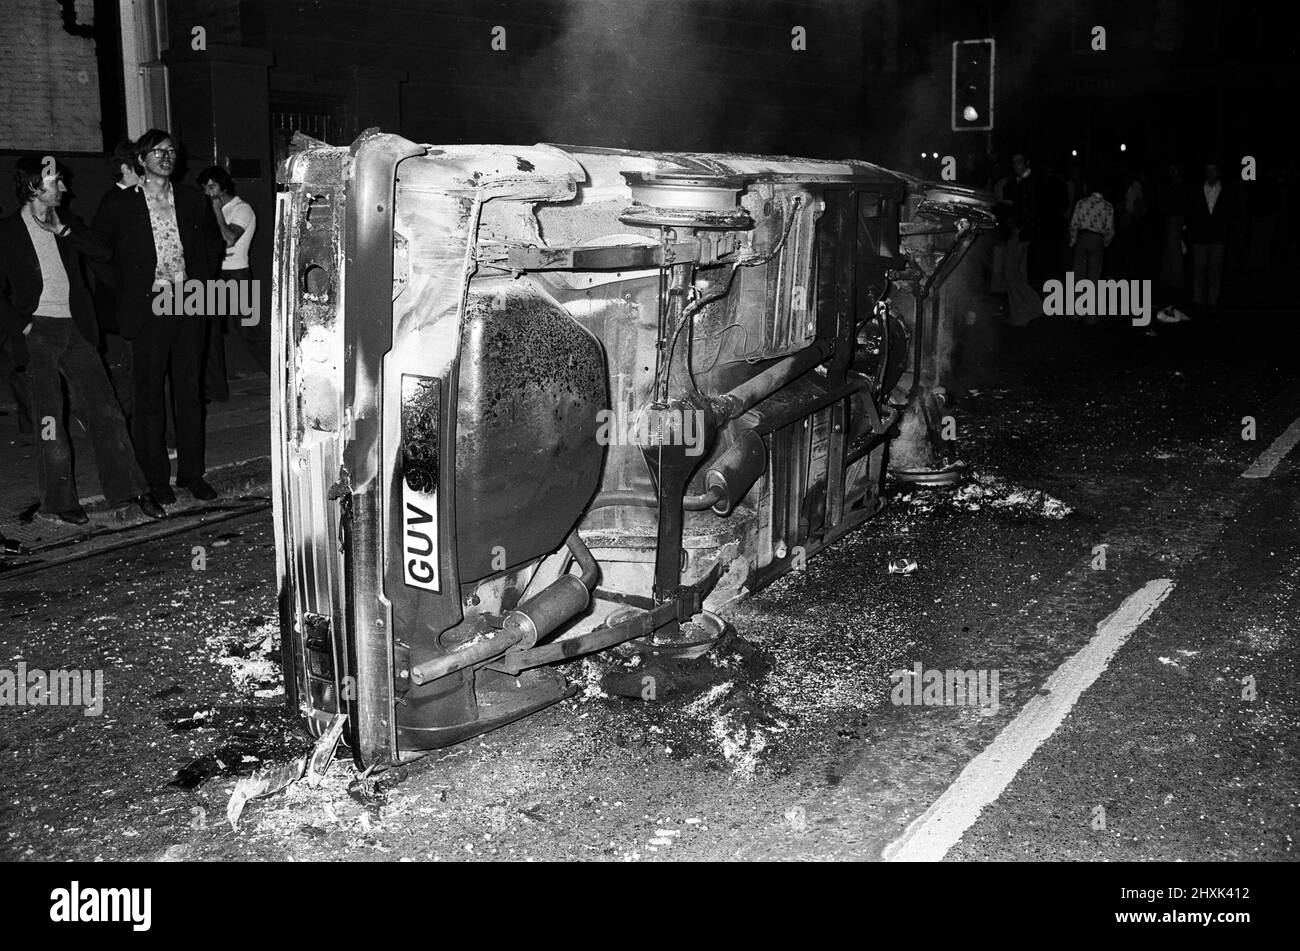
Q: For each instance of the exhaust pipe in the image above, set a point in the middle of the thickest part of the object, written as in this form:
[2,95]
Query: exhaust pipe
[564,598]
[735,472]
[734,403]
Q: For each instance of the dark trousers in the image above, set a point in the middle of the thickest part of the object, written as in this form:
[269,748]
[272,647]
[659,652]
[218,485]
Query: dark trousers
[216,384]
[175,345]
[119,374]
[1207,273]
[1025,303]
[253,333]
[59,351]
[1089,251]
[253,330]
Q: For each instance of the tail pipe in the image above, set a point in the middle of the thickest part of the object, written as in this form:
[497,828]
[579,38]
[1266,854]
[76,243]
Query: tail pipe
[564,598]
[642,624]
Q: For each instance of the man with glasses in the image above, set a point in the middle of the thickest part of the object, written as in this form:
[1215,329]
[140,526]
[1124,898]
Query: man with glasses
[162,235]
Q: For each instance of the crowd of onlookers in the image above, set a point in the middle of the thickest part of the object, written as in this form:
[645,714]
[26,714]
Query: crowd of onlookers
[1206,238]
[66,288]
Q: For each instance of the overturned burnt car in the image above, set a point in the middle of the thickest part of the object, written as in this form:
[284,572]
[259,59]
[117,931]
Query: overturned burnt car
[532,403]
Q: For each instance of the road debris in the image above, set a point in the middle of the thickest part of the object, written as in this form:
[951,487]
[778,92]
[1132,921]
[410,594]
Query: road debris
[322,753]
[986,490]
[253,657]
[264,782]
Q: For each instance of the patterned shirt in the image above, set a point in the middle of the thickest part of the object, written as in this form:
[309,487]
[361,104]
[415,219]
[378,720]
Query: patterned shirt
[1093,213]
[1212,194]
[166,236]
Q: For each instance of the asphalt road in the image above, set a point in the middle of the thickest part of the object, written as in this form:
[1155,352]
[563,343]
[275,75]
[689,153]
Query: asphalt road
[1147,709]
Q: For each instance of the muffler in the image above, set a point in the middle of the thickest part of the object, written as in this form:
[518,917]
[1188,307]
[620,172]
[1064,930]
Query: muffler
[561,600]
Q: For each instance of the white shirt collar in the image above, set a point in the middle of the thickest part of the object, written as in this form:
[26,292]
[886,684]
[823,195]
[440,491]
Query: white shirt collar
[140,187]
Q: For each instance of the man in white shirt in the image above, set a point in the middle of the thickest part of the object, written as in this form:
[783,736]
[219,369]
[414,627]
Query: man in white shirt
[238,222]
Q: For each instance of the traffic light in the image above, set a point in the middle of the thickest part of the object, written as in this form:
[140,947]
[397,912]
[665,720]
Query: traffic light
[972,85]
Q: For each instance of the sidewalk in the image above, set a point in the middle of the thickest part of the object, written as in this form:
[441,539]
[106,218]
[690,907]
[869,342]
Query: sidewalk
[238,462]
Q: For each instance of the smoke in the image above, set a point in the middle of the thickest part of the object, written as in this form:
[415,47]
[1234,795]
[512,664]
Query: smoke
[699,75]
[623,75]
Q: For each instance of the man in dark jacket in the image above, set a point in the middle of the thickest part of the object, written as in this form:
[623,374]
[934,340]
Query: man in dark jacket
[45,302]
[126,174]
[1024,264]
[162,235]
[1209,214]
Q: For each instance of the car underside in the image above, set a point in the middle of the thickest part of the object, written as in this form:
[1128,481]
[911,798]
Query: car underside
[536,403]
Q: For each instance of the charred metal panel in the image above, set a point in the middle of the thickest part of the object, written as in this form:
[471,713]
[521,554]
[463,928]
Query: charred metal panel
[367,336]
[306,379]
[532,385]
[421,408]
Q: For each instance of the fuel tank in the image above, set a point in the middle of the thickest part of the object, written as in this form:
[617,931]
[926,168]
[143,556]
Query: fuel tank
[531,389]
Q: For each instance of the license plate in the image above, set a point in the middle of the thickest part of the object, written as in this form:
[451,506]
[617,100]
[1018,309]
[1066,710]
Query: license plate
[420,433]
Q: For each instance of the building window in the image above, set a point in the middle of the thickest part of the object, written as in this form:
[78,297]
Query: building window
[318,125]
[320,120]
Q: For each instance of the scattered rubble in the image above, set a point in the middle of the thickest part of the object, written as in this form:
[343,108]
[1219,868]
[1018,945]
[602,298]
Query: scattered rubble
[984,490]
[253,658]
[264,782]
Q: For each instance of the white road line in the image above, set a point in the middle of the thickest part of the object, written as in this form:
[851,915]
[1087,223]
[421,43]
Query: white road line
[939,828]
[1263,467]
